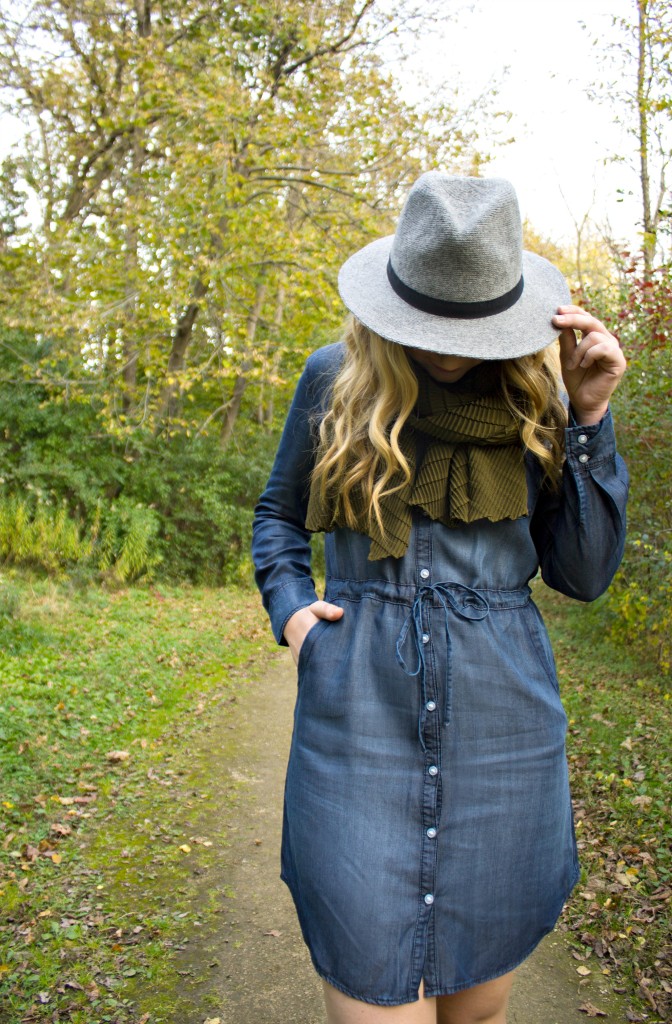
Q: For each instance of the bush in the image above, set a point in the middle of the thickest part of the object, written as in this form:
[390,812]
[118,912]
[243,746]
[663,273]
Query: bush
[640,599]
[75,498]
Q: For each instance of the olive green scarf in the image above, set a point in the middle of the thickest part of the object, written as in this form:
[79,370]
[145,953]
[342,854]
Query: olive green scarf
[466,459]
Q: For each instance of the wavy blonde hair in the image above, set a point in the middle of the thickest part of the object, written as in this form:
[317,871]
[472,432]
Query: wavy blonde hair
[375,392]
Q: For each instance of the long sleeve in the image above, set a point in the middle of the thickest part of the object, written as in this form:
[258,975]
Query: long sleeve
[281,543]
[579,532]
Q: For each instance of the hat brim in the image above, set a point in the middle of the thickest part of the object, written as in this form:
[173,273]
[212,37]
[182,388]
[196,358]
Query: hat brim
[522,329]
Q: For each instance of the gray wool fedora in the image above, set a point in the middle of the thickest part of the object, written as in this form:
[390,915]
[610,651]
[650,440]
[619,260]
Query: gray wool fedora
[454,278]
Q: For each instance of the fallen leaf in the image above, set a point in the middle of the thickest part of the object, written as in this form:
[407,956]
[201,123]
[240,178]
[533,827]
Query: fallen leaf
[185,848]
[60,830]
[591,1011]
[117,755]
[274,933]
[642,801]
[583,971]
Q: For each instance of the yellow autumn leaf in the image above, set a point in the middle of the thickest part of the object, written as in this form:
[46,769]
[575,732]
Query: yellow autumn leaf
[185,848]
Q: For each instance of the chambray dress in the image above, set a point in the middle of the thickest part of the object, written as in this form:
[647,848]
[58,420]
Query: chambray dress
[428,827]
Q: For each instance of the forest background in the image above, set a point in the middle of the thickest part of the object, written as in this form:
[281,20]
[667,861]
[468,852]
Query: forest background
[172,221]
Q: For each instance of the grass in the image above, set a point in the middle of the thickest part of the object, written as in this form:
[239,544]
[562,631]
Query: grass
[620,756]
[102,799]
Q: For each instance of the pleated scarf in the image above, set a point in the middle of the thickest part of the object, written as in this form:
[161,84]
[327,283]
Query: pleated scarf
[465,454]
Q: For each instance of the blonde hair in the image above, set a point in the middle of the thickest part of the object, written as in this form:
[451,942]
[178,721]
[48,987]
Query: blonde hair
[375,392]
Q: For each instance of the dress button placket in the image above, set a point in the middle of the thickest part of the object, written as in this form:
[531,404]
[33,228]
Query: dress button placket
[431,728]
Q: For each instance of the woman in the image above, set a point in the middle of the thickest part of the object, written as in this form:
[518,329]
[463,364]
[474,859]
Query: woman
[428,839]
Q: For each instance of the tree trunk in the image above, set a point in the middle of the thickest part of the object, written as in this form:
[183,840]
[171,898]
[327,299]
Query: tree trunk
[129,323]
[181,338]
[240,384]
[271,364]
[648,220]
[143,11]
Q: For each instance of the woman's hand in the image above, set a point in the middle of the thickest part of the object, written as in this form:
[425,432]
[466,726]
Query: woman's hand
[592,369]
[300,623]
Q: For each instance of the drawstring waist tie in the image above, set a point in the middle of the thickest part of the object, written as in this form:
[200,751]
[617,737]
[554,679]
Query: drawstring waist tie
[455,599]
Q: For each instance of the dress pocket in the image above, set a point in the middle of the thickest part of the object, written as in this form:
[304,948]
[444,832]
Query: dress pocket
[536,631]
[308,644]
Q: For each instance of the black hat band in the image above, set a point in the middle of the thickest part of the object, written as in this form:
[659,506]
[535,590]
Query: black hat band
[458,310]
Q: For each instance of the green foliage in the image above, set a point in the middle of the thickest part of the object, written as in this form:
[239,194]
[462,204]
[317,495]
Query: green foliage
[126,543]
[641,597]
[74,496]
[41,536]
[202,173]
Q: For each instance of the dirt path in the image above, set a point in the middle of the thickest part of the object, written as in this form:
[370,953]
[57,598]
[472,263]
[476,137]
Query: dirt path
[254,969]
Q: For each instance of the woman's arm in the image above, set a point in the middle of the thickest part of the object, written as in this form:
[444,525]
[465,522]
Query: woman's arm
[281,543]
[579,532]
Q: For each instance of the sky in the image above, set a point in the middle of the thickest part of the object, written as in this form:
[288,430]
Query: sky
[562,138]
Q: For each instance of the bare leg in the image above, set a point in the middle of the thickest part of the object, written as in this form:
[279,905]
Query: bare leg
[482,1004]
[341,1009]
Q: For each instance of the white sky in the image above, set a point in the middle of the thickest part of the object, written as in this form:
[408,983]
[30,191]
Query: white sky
[557,163]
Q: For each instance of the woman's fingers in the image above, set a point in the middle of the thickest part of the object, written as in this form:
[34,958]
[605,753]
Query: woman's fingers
[592,367]
[324,610]
[302,621]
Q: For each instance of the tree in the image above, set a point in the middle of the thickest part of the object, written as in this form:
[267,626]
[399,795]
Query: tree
[642,97]
[201,170]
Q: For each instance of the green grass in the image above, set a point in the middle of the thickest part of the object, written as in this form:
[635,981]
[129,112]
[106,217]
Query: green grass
[101,694]
[620,757]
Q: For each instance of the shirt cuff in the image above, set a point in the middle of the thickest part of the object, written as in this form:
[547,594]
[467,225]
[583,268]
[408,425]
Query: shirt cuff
[592,444]
[287,599]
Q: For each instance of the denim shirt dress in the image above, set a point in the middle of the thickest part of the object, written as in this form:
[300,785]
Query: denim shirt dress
[428,828]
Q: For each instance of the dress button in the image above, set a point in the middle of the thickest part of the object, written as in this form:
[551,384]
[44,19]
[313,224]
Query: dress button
[431,705]
[432,770]
[584,457]
[424,574]
[582,438]
[431,833]
[429,899]
[425,638]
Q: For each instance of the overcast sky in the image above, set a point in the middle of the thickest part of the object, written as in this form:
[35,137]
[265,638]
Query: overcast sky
[557,162]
